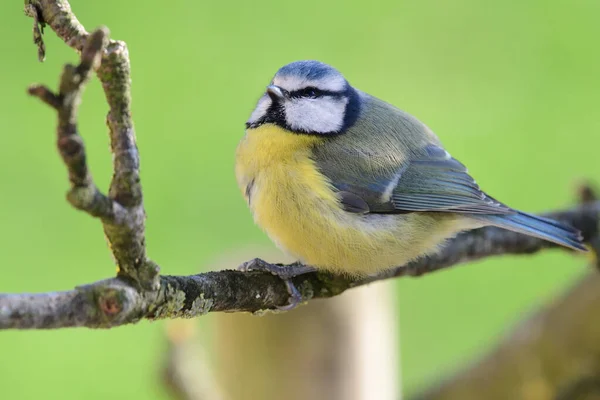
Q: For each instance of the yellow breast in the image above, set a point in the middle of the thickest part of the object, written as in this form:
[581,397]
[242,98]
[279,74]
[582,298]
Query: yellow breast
[283,187]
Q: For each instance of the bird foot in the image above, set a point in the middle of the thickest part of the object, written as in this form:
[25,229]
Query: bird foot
[285,272]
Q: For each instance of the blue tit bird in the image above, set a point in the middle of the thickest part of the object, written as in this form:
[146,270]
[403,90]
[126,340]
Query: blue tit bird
[348,183]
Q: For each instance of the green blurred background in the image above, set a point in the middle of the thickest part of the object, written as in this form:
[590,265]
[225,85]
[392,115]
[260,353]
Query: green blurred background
[511,88]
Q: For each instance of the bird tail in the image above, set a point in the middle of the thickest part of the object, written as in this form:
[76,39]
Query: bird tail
[540,227]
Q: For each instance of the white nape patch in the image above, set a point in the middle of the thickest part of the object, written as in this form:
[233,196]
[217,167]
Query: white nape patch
[321,115]
[332,83]
[261,108]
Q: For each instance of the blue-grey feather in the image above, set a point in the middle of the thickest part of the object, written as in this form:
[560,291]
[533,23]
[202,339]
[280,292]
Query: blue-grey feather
[537,226]
[308,69]
[437,182]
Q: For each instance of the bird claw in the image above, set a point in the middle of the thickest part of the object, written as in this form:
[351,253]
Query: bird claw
[285,273]
[295,296]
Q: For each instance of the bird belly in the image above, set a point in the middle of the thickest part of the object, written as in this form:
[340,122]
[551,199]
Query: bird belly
[321,234]
[297,207]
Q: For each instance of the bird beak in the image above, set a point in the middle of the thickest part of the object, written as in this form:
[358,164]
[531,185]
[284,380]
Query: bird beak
[276,93]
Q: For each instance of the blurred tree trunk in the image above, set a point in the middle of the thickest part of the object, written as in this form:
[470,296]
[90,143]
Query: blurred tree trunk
[553,355]
[342,348]
[187,372]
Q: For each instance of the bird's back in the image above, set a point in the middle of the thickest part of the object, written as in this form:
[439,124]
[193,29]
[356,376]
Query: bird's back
[366,160]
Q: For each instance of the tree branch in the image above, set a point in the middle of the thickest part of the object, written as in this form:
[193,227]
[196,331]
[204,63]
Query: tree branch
[117,301]
[138,292]
[122,212]
[83,195]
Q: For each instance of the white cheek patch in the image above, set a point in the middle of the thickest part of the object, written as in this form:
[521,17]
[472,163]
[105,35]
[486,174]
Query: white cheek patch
[320,115]
[261,109]
[331,83]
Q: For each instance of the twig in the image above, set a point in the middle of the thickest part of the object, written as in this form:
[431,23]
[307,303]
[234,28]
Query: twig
[122,211]
[588,195]
[38,30]
[83,194]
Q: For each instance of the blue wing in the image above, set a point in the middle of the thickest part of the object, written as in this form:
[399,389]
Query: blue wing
[435,181]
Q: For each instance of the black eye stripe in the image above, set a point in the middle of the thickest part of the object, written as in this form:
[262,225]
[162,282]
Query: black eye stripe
[313,92]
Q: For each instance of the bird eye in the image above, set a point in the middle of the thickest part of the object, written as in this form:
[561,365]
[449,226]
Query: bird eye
[309,92]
